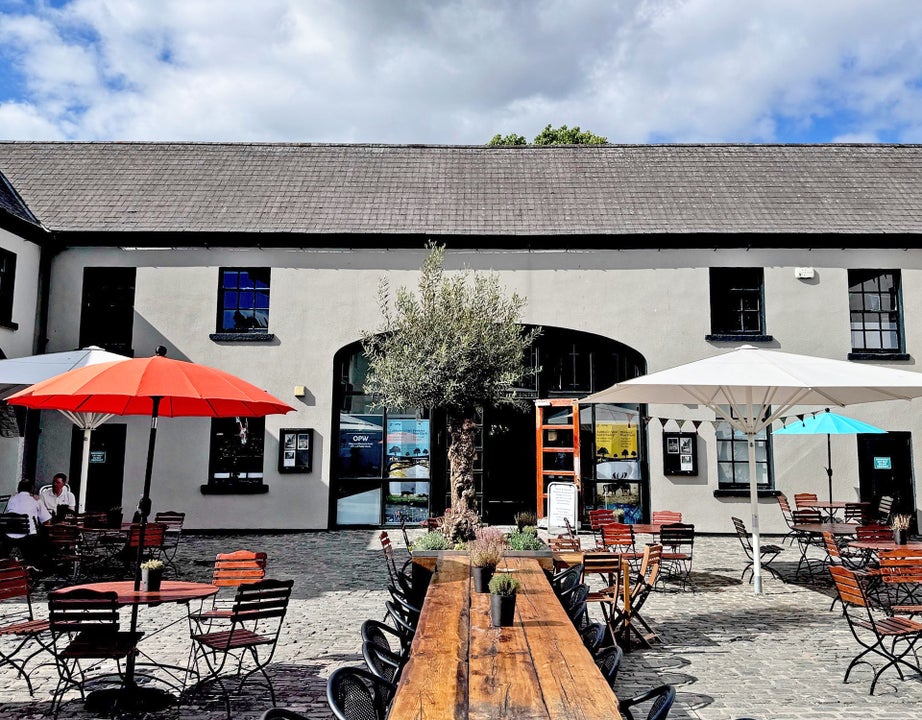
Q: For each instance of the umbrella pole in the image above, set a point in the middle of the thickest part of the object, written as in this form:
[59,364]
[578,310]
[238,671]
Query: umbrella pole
[829,467]
[754,505]
[84,471]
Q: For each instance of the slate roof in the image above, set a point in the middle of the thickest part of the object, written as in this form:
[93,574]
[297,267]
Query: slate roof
[12,205]
[464,190]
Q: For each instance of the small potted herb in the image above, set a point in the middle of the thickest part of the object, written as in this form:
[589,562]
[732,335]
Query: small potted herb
[503,588]
[524,519]
[485,555]
[151,575]
[901,529]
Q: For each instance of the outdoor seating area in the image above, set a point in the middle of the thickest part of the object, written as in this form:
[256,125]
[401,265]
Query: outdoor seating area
[718,647]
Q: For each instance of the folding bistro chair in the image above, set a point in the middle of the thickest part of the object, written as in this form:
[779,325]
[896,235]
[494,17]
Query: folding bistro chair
[665,517]
[255,623]
[804,501]
[873,533]
[598,518]
[231,570]
[628,616]
[84,626]
[174,522]
[901,574]
[17,621]
[767,552]
[618,538]
[14,524]
[65,551]
[877,635]
[678,541]
[788,516]
[608,567]
[807,540]
[884,509]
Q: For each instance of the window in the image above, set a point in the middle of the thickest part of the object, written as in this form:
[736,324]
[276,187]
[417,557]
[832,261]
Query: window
[7,283]
[235,462]
[107,314]
[874,304]
[737,302]
[243,300]
[733,458]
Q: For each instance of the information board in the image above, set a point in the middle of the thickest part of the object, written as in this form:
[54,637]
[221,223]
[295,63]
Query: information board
[561,504]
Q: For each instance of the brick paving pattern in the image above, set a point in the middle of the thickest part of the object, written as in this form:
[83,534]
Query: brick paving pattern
[730,653]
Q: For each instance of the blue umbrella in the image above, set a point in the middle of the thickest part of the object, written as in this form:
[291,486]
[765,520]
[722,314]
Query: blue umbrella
[828,424]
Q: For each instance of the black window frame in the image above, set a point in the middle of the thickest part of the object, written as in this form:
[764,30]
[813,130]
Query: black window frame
[248,311]
[7,288]
[107,308]
[245,470]
[866,301]
[737,299]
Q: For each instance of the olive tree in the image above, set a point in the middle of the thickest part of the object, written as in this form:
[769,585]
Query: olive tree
[455,344]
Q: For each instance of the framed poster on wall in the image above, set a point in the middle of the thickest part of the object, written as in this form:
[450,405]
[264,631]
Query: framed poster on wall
[680,453]
[296,446]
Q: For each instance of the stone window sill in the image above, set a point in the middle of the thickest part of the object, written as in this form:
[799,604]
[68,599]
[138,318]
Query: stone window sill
[242,337]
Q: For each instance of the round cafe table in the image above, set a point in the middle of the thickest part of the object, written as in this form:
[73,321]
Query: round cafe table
[132,697]
[883,545]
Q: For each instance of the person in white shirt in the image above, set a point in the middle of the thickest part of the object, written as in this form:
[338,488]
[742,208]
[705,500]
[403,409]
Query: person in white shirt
[57,495]
[25,503]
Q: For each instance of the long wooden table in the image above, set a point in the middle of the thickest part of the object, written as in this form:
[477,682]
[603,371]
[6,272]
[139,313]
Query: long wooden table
[460,667]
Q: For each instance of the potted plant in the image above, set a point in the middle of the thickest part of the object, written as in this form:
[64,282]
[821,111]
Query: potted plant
[485,555]
[524,519]
[900,529]
[503,588]
[151,575]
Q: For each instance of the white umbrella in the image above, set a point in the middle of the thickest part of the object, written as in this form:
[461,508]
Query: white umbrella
[758,386]
[19,373]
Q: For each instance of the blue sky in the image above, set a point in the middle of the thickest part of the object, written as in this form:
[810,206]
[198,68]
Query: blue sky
[460,71]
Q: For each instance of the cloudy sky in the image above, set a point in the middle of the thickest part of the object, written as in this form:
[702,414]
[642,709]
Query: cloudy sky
[459,71]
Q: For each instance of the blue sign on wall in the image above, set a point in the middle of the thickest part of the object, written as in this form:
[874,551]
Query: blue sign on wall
[882,463]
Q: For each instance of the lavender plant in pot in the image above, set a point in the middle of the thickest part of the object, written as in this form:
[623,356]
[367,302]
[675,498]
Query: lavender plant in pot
[485,552]
[503,588]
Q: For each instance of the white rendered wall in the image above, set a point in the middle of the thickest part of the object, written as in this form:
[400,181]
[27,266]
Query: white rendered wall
[656,301]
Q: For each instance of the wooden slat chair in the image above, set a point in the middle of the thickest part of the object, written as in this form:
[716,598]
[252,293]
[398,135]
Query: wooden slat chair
[174,522]
[876,634]
[873,533]
[665,517]
[571,533]
[788,516]
[767,552]
[806,541]
[598,518]
[85,626]
[840,556]
[607,566]
[231,570]
[17,621]
[628,617]
[901,573]
[15,524]
[853,513]
[618,538]
[804,501]
[65,551]
[123,549]
[678,541]
[564,544]
[885,510]
[255,624]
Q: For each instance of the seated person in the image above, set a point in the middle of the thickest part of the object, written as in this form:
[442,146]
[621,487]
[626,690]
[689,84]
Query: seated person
[57,497]
[25,503]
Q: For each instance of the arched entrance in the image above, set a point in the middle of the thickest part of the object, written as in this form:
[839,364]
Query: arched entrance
[393,461]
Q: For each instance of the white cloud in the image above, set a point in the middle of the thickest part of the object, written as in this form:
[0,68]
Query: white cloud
[436,71]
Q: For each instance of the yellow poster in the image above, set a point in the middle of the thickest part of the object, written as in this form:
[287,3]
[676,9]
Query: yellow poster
[615,441]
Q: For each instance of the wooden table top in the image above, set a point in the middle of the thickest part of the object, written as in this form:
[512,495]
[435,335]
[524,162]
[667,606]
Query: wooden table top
[170,591]
[821,527]
[883,545]
[462,667]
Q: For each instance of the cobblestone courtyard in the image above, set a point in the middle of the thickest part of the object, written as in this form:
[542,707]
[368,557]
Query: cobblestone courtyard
[730,653]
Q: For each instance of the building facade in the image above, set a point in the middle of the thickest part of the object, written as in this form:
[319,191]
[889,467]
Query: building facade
[264,260]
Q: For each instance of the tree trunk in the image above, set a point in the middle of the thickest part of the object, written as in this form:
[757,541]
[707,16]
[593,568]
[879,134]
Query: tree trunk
[460,519]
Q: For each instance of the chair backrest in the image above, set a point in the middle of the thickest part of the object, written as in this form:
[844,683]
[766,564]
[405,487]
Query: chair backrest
[172,519]
[237,568]
[832,548]
[382,662]
[571,533]
[848,586]
[802,517]
[677,536]
[564,583]
[602,563]
[665,697]
[599,517]
[593,635]
[609,661]
[785,508]
[743,535]
[82,610]
[63,535]
[901,565]
[802,500]
[261,600]
[618,537]
[4,499]
[853,512]
[563,544]
[153,535]
[92,519]
[650,564]
[664,517]
[14,583]
[376,632]
[873,533]
[15,523]
[356,694]
[884,508]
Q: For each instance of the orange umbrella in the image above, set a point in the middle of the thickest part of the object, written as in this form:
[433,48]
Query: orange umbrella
[151,386]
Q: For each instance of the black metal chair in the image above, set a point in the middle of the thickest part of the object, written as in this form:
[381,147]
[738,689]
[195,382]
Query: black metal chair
[767,552]
[401,622]
[678,541]
[356,694]
[663,696]
[593,636]
[282,714]
[255,623]
[18,622]
[575,605]
[609,662]
[382,663]
[84,626]
[377,632]
[565,581]
[174,521]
